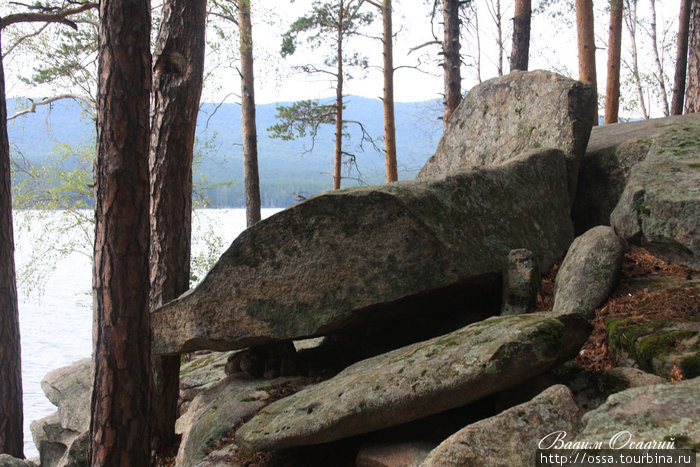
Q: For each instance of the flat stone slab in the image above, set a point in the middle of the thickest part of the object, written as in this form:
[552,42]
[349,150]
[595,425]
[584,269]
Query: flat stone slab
[660,206]
[511,114]
[418,380]
[325,263]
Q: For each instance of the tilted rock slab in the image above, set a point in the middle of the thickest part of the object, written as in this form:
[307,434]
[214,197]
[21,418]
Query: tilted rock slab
[589,272]
[418,380]
[313,268]
[215,410]
[505,116]
[511,437]
[660,206]
[605,168]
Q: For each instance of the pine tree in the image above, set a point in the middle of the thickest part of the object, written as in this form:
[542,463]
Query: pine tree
[120,407]
[177,86]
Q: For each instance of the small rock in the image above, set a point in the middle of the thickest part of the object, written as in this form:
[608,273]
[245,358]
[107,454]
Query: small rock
[589,272]
[407,454]
[521,281]
[202,370]
[634,377]
[220,458]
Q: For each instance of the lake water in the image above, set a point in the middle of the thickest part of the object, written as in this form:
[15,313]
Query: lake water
[56,325]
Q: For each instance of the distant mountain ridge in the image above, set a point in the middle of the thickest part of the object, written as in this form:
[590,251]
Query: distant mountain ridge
[288,169]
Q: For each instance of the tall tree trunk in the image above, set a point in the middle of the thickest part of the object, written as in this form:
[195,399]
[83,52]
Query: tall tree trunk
[119,428]
[681,59]
[521,35]
[657,60]
[692,92]
[338,160]
[612,89]
[452,60]
[11,431]
[586,46]
[499,37]
[631,22]
[177,86]
[250,137]
[389,120]
[478,46]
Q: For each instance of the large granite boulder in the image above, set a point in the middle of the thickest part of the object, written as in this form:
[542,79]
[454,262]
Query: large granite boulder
[418,380]
[660,206]
[62,437]
[324,263]
[589,272]
[69,389]
[505,116]
[511,437]
[662,413]
[605,168]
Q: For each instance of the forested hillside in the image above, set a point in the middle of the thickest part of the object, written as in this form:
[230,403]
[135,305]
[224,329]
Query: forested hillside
[288,169]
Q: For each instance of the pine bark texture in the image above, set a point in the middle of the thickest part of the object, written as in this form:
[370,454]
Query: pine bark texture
[250,138]
[612,89]
[338,160]
[451,58]
[11,433]
[681,59]
[586,45]
[521,35]
[177,87]
[389,119]
[692,93]
[119,427]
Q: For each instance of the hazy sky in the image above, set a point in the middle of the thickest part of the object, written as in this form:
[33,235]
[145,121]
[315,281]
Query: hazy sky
[553,47]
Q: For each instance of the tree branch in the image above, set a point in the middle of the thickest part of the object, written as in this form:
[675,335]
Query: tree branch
[413,49]
[47,101]
[57,17]
[313,69]
[24,38]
